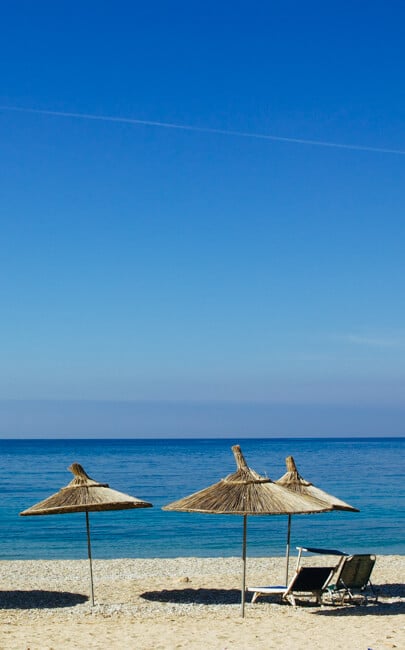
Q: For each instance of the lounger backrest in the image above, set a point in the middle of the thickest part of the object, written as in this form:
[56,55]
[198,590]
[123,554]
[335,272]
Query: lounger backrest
[356,571]
[311,579]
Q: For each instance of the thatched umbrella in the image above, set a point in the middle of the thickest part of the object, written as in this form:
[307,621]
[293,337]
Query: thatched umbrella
[292,480]
[246,493]
[83,494]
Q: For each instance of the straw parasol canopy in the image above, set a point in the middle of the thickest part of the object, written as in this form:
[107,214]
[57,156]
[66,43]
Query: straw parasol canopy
[293,481]
[245,493]
[83,494]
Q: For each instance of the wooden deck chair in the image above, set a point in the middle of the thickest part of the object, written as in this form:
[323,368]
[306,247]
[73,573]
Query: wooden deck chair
[307,581]
[353,578]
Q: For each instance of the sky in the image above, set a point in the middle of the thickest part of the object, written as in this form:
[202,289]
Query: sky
[202,218]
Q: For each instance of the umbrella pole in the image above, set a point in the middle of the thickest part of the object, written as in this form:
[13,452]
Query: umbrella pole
[89,554]
[287,554]
[244,567]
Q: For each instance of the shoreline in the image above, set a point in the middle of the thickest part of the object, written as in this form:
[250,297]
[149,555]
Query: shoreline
[185,603]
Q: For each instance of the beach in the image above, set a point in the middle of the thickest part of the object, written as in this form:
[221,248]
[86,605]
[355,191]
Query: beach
[185,603]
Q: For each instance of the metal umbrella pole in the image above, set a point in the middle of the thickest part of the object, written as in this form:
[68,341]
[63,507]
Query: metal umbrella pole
[89,553]
[287,553]
[243,595]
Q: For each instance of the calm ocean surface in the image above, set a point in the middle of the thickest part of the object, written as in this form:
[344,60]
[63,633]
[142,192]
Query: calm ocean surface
[368,473]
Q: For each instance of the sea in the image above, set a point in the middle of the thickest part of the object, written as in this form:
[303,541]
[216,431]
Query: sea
[368,473]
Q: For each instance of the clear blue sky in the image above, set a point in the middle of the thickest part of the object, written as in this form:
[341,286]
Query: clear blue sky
[147,263]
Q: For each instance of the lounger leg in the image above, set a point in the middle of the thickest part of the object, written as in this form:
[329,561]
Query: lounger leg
[318,596]
[373,591]
[255,596]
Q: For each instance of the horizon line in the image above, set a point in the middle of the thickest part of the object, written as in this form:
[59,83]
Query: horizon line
[198,438]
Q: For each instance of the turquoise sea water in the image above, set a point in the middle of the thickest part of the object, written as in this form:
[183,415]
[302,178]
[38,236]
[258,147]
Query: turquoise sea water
[368,473]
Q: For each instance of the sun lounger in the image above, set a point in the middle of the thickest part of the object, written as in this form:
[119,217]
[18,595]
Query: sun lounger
[307,582]
[353,579]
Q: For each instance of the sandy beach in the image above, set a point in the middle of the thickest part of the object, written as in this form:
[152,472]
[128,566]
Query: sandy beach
[185,603]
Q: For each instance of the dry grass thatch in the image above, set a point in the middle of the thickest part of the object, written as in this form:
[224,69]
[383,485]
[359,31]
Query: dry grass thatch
[84,494]
[298,485]
[247,493]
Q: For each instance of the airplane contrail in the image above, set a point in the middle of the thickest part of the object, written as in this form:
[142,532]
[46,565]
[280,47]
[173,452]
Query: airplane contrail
[202,129]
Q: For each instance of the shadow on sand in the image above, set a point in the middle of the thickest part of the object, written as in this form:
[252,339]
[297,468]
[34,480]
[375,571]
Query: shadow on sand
[371,609]
[196,596]
[391,590]
[39,599]
[380,608]
[233,597]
